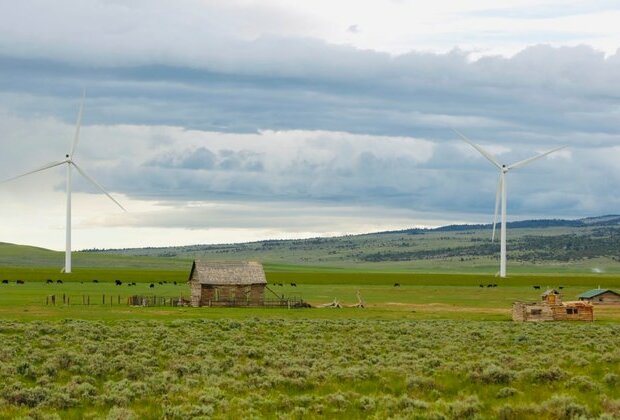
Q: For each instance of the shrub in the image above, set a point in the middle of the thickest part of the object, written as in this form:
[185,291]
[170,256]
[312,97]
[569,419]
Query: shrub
[493,374]
[564,407]
[611,379]
[421,383]
[582,383]
[466,408]
[120,413]
[506,392]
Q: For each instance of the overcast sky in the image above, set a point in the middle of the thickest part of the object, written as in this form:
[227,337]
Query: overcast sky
[217,121]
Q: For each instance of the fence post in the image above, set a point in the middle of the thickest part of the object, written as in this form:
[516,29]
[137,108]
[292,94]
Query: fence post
[64,300]
[68,300]
[88,299]
[103,299]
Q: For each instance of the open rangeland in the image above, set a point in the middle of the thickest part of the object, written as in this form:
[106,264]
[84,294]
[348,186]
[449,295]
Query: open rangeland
[425,346]
[285,368]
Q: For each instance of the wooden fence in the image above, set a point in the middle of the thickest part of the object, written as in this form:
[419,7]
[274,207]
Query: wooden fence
[150,301]
[156,301]
[292,302]
[112,300]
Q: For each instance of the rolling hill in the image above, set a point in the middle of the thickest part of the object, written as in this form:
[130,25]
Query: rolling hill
[583,245]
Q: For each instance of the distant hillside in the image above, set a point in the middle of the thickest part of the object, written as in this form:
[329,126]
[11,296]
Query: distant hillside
[591,244]
[12,255]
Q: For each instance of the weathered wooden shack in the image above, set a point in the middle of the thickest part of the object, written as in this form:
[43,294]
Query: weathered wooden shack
[238,283]
[601,297]
[552,308]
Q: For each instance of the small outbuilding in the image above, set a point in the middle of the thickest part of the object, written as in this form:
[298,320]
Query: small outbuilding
[237,283]
[600,297]
[551,308]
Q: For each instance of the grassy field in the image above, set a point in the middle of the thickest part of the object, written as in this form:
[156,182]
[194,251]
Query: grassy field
[419,296]
[437,346]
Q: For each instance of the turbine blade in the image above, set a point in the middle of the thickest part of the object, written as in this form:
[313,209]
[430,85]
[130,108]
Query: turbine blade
[96,184]
[483,152]
[497,198]
[78,124]
[42,168]
[532,159]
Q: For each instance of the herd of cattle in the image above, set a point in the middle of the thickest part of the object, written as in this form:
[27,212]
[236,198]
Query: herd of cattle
[161,283]
[116,282]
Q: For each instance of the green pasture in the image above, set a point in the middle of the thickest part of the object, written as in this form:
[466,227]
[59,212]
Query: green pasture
[418,296]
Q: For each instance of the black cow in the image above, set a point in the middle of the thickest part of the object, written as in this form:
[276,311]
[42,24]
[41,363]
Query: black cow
[19,282]
[536,287]
[95,281]
[396,284]
[152,285]
[294,284]
[118,282]
[175,283]
[133,283]
[5,282]
[561,287]
[481,285]
[161,283]
[59,281]
[49,281]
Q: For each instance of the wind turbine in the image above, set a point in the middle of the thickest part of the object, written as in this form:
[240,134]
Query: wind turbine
[70,165]
[501,192]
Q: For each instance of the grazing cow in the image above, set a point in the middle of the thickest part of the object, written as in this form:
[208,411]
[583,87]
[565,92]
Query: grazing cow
[175,283]
[536,287]
[95,281]
[118,282]
[489,285]
[494,285]
[165,282]
[294,284]
[561,287]
[481,285]
[49,281]
[396,284]
[19,282]
[161,284]
[133,283]
[59,281]
[152,285]
[5,282]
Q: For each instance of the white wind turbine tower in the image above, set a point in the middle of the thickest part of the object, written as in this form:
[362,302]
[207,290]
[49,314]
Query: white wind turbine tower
[501,193]
[70,164]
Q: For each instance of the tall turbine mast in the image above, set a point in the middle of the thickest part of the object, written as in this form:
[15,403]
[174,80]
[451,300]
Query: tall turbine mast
[70,165]
[501,194]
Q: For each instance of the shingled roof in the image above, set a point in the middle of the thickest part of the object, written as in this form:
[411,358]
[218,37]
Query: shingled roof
[228,273]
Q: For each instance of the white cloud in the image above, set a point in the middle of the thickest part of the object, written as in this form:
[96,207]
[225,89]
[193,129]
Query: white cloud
[275,103]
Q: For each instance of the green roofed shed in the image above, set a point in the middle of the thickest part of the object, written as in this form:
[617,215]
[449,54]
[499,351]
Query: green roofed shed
[601,296]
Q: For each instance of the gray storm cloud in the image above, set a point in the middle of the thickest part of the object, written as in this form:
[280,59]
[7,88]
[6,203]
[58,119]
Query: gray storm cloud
[193,110]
